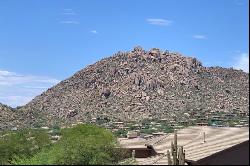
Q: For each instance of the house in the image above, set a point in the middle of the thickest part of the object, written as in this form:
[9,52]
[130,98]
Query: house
[239,125]
[192,120]
[141,152]
[178,127]
[235,155]
[93,120]
[14,129]
[173,124]
[243,121]
[184,122]
[243,113]
[148,136]
[164,120]
[216,117]
[203,145]
[119,125]
[55,137]
[158,134]
[45,128]
[220,125]
[229,115]
[197,116]
[203,118]
[132,134]
[202,124]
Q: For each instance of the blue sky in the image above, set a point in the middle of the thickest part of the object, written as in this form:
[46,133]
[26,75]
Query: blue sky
[43,42]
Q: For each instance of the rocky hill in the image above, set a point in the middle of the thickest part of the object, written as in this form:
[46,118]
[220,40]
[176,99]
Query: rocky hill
[140,84]
[8,117]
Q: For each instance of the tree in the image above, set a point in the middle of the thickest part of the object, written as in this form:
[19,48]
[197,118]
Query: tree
[21,144]
[80,145]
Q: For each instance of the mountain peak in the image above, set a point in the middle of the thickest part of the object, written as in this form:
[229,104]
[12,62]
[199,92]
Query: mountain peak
[137,85]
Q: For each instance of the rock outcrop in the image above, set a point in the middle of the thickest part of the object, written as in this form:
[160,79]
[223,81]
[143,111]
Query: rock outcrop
[140,84]
[8,117]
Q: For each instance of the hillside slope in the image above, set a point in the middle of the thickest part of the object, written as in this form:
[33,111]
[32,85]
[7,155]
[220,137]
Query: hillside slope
[140,84]
[8,117]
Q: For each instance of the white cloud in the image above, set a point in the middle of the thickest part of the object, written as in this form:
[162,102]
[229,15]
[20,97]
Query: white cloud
[199,37]
[68,9]
[242,62]
[159,21]
[11,78]
[94,31]
[17,89]
[69,12]
[69,16]
[35,87]
[69,22]
[15,100]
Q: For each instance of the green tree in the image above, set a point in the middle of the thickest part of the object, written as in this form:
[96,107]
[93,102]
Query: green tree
[81,145]
[21,144]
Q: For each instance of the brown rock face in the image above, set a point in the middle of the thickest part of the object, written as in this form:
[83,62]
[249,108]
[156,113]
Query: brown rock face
[8,117]
[140,84]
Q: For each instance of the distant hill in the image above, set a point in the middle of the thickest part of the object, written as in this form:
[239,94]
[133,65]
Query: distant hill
[140,84]
[8,117]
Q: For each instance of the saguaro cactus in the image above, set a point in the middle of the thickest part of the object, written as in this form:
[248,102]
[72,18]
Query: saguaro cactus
[181,156]
[169,158]
[204,136]
[133,154]
[177,158]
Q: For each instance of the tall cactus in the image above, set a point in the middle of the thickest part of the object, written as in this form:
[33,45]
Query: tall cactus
[133,154]
[181,156]
[204,136]
[175,149]
[169,158]
[178,158]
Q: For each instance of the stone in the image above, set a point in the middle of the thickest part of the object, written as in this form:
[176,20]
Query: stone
[166,84]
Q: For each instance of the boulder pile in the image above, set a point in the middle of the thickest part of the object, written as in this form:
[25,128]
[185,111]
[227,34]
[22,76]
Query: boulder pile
[8,117]
[140,84]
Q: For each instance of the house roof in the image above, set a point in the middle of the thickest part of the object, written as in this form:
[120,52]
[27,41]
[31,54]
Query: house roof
[235,155]
[192,140]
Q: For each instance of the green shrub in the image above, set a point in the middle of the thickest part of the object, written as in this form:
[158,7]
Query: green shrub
[81,145]
[21,144]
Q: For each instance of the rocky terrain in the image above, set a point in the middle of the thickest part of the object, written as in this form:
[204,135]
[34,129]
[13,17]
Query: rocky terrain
[8,117]
[140,84]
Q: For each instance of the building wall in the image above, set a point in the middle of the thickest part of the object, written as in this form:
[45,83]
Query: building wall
[236,155]
[141,152]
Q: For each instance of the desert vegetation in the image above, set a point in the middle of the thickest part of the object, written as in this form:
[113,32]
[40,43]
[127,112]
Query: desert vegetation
[81,144]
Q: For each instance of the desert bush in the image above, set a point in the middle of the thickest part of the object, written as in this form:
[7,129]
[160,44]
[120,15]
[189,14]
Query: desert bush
[21,144]
[81,145]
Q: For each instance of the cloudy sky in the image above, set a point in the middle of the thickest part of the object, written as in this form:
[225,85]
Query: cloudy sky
[43,42]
